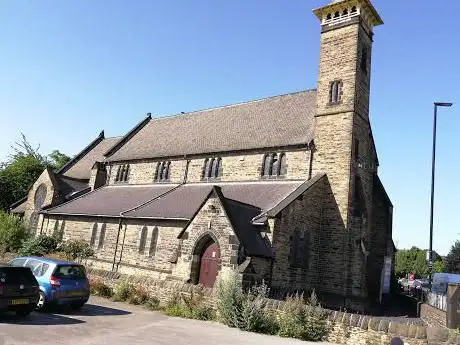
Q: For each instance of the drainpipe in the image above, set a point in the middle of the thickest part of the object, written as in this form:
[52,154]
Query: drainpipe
[186,169]
[116,244]
[122,247]
[312,151]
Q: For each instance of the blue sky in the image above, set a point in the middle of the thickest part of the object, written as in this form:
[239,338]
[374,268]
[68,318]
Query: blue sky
[72,68]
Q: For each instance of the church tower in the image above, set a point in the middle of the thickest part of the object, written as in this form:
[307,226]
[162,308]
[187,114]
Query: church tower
[344,147]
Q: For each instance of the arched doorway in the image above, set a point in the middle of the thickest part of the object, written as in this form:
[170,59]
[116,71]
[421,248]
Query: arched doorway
[209,264]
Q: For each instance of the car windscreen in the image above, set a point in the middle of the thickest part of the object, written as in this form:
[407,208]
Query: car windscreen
[16,275]
[69,271]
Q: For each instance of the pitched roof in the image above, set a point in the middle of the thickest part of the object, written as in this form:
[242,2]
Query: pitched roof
[80,166]
[172,201]
[110,201]
[185,200]
[19,206]
[243,126]
[69,185]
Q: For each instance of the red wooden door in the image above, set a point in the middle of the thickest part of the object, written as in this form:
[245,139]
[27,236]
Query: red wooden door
[209,265]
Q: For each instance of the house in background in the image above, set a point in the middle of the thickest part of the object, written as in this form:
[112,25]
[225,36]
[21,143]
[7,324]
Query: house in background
[284,188]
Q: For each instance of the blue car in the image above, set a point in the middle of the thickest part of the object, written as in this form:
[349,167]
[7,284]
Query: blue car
[61,282]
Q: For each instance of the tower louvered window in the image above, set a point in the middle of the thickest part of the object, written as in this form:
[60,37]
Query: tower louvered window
[162,172]
[122,173]
[212,168]
[274,165]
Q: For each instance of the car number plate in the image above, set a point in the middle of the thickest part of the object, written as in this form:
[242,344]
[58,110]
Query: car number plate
[19,301]
[75,293]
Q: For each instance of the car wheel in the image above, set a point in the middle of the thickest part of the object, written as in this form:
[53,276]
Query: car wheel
[23,312]
[41,304]
[77,305]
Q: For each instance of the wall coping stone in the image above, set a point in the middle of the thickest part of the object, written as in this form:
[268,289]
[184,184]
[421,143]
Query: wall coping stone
[374,324]
[437,334]
[383,326]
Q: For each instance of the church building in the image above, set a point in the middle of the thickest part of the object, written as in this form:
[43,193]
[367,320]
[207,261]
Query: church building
[284,189]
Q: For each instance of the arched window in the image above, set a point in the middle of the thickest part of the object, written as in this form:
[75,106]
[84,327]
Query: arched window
[335,92]
[337,14]
[153,241]
[205,166]
[275,165]
[126,174]
[282,167]
[267,165]
[158,171]
[122,173]
[165,175]
[101,237]
[208,168]
[215,167]
[212,168]
[142,240]
[353,9]
[40,196]
[329,16]
[219,167]
[93,235]
[345,12]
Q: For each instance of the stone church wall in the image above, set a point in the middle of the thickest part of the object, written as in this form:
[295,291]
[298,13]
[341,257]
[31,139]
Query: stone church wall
[235,167]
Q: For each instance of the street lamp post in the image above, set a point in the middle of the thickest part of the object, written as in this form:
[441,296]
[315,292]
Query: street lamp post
[433,161]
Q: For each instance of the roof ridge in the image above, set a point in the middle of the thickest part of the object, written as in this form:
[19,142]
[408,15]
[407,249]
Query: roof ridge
[232,105]
[81,154]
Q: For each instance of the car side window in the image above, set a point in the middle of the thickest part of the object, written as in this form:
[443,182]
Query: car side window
[44,269]
[32,264]
[17,262]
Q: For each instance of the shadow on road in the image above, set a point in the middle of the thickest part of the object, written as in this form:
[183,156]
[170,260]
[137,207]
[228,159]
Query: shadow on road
[93,310]
[38,319]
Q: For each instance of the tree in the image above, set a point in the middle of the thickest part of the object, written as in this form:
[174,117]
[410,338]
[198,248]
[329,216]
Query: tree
[411,261]
[439,266]
[13,232]
[24,166]
[57,159]
[453,258]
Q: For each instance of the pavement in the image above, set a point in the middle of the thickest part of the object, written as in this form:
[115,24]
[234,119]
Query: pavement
[102,321]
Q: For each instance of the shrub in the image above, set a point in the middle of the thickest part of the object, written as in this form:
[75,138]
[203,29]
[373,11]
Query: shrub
[301,321]
[177,310]
[123,291]
[76,250]
[203,312]
[229,299]
[99,288]
[152,303]
[249,311]
[138,296]
[13,233]
[39,246]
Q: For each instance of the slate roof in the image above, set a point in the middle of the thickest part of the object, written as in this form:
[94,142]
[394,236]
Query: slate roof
[111,200]
[243,126]
[81,169]
[69,185]
[184,201]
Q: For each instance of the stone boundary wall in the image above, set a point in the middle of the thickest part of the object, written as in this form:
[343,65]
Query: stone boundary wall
[433,316]
[347,329]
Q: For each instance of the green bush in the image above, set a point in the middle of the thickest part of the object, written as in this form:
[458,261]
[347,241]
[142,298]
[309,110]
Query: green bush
[301,321]
[229,299]
[13,233]
[203,312]
[178,310]
[99,288]
[39,246]
[123,291]
[248,311]
[76,250]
